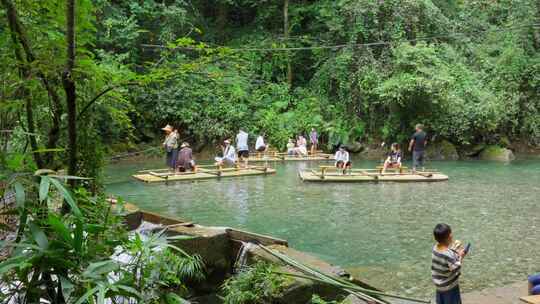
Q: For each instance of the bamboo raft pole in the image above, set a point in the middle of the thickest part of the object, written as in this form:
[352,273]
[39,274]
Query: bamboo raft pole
[317,275]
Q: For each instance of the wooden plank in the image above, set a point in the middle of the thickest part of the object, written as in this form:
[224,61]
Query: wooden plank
[202,175]
[310,176]
[246,236]
[531,299]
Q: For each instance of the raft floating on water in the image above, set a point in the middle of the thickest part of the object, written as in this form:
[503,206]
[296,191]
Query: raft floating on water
[278,157]
[371,175]
[208,172]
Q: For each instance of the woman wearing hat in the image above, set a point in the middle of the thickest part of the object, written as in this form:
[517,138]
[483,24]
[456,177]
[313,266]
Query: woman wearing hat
[185,159]
[171,145]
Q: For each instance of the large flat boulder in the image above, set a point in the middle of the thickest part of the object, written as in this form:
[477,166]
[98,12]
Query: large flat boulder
[496,153]
[441,150]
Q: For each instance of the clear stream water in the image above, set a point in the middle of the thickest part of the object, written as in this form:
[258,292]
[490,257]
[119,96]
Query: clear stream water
[382,233]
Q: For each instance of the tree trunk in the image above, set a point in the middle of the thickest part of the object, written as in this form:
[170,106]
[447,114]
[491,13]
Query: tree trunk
[56,105]
[536,30]
[286,36]
[69,88]
[221,20]
[25,75]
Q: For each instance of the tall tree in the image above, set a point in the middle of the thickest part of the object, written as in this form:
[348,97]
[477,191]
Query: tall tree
[19,34]
[286,36]
[69,88]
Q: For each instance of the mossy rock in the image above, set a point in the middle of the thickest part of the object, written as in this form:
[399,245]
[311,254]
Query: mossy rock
[355,147]
[497,153]
[442,150]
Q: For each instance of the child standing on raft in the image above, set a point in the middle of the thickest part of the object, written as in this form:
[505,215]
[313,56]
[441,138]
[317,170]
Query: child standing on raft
[446,266]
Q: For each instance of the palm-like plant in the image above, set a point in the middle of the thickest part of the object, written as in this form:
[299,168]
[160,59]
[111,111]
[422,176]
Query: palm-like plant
[67,255]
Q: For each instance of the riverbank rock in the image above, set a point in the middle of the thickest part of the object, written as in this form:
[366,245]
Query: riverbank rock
[374,153]
[497,153]
[355,147]
[443,150]
[352,299]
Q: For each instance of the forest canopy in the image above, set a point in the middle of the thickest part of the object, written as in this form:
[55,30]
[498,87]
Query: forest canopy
[357,70]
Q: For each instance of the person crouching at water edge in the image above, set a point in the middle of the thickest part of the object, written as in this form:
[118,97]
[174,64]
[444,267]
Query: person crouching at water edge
[171,145]
[446,261]
[229,155]
[342,159]
[394,158]
[185,160]
[242,146]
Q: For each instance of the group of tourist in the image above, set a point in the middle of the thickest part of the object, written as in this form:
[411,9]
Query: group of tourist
[178,160]
[299,147]
[182,160]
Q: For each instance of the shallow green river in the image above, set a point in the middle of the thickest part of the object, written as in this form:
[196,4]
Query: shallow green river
[379,232]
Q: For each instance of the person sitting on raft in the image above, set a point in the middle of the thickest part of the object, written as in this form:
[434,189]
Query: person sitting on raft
[229,154]
[185,160]
[290,147]
[342,159]
[260,145]
[301,149]
[394,158]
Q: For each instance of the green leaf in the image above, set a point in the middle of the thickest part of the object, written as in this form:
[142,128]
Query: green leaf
[130,290]
[12,263]
[44,188]
[78,236]
[87,295]
[20,195]
[95,270]
[39,236]
[60,228]
[70,177]
[67,287]
[67,196]
[48,150]
[173,298]
[101,295]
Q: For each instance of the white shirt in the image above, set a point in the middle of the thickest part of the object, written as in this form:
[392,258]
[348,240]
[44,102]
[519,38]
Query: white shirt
[242,141]
[342,156]
[259,143]
[229,153]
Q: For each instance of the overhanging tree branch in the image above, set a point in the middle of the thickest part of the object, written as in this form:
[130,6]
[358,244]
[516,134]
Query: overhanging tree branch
[105,91]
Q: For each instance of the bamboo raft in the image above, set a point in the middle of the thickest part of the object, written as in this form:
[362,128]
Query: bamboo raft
[275,156]
[331,174]
[202,173]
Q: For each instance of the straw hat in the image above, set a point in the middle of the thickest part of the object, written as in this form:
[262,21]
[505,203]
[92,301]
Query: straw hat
[184,145]
[167,128]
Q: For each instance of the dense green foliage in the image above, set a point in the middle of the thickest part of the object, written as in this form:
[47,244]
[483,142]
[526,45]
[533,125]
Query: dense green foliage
[363,71]
[257,284]
[468,70]
[86,255]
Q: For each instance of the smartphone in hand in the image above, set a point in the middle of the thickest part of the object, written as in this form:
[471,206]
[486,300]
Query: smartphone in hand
[467,248]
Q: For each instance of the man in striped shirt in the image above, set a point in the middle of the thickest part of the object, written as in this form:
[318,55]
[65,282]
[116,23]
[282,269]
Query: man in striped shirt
[446,266]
